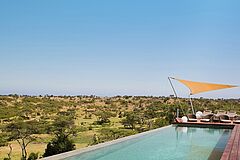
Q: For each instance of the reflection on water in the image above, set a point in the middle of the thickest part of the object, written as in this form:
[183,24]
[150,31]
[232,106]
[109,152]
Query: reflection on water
[181,129]
[198,142]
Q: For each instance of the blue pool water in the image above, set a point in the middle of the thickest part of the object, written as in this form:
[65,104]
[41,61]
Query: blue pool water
[171,143]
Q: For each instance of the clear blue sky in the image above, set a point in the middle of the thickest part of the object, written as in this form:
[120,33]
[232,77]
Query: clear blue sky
[107,47]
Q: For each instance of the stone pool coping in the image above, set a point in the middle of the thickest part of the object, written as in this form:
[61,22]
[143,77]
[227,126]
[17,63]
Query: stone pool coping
[101,145]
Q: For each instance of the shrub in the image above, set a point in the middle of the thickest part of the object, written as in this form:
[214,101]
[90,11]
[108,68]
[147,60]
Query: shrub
[58,145]
[160,122]
[107,134]
[33,156]
[63,128]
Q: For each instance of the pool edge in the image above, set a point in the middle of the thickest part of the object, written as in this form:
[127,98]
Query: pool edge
[101,145]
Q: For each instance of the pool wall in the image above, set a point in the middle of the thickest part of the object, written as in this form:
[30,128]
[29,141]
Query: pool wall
[101,145]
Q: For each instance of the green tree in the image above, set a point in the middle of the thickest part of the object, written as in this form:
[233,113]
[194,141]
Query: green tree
[62,128]
[103,117]
[132,118]
[3,139]
[107,134]
[160,122]
[59,144]
[22,132]
[95,140]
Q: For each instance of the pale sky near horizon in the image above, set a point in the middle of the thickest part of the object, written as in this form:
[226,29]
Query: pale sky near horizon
[122,47]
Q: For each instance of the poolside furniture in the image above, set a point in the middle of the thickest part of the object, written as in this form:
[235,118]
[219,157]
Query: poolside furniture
[198,87]
[192,118]
[206,118]
[199,114]
[236,120]
[231,114]
[215,118]
[178,120]
[225,119]
[207,112]
[221,112]
[184,119]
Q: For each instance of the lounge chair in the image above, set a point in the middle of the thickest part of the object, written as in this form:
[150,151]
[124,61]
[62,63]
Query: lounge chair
[236,120]
[184,119]
[207,112]
[178,120]
[206,118]
[225,119]
[215,118]
[192,118]
[231,114]
[221,112]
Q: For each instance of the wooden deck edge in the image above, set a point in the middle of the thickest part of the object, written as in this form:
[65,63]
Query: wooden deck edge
[232,148]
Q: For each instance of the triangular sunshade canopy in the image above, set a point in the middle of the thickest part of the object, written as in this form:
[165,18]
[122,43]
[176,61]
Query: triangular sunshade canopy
[199,87]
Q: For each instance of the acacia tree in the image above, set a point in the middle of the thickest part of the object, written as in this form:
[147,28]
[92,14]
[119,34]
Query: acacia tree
[103,117]
[22,132]
[62,128]
[132,118]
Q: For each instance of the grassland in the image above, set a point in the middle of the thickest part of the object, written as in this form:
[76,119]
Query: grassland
[104,117]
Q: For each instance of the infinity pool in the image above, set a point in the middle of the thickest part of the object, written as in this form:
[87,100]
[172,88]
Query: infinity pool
[170,143]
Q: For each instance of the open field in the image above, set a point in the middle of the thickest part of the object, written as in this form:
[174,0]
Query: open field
[96,119]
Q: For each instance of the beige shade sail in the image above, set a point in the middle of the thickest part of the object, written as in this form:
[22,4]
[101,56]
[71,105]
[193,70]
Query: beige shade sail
[199,87]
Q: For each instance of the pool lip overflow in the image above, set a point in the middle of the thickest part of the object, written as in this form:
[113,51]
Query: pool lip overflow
[101,145]
[231,151]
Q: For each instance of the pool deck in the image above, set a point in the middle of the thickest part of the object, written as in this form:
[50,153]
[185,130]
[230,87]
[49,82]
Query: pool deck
[232,150]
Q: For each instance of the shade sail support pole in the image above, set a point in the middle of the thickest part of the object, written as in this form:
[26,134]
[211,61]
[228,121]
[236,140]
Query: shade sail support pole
[175,93]
[191,104]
